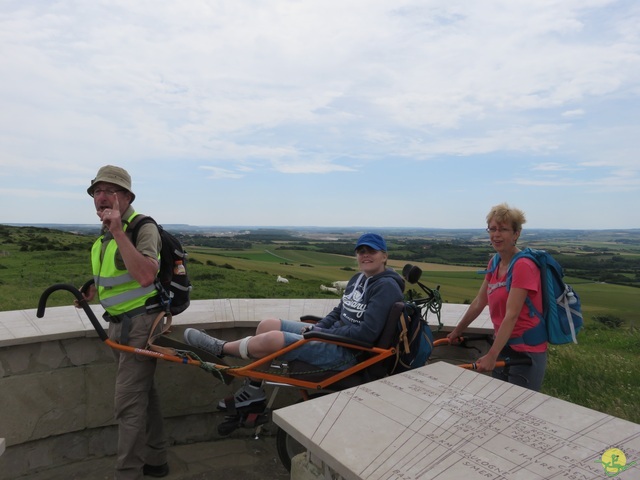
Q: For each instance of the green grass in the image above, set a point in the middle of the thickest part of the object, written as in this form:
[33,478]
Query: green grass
[608,299]
[600,373]
[25,275]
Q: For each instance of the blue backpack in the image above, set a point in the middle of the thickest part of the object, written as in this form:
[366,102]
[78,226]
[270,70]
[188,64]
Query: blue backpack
[414,340]
[561,317]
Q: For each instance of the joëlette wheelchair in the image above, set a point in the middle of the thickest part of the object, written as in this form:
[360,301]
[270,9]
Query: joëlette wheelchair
[375,360]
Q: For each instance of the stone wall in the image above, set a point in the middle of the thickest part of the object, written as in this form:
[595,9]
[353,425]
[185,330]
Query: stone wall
[57,402]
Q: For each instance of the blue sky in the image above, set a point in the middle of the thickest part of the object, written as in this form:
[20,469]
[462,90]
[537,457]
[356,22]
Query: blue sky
[371,113]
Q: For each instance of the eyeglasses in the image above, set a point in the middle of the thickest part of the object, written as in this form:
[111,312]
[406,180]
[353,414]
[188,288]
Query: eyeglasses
[501,230]
[107,192]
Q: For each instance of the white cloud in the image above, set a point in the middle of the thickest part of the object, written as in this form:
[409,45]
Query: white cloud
[309,167]
[574,113]
[217,173]
[240,90]
[552,167]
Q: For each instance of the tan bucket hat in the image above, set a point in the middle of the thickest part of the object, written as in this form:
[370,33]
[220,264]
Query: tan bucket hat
[116,175]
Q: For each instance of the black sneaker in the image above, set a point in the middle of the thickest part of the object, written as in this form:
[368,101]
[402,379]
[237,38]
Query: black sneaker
[156,470]
[245,396]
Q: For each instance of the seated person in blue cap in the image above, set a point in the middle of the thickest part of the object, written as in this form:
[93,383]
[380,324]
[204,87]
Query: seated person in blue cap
[361,314]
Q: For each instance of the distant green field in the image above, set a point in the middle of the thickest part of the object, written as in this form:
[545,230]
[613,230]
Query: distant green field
[273,256]
[251,274]
[606,299]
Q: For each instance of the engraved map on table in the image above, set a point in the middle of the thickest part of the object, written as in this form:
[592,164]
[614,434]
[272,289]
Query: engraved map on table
[444,422]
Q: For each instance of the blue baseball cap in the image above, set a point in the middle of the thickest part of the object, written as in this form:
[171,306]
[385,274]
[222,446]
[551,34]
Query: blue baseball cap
[372,240]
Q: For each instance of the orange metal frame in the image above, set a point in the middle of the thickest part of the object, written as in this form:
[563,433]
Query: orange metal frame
[251,370]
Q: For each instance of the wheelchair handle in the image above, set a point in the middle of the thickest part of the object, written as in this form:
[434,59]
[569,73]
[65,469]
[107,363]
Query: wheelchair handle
[82,302]
[462,338]
[507,362]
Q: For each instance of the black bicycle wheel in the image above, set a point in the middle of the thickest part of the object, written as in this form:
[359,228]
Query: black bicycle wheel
[287,446]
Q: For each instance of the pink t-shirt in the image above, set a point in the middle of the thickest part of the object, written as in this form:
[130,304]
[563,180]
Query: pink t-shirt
[525,275]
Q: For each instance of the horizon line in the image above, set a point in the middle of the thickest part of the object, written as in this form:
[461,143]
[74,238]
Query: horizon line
[300,227]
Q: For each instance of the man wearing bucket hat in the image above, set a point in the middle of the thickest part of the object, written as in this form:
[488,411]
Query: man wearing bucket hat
[361,314]
[124,276]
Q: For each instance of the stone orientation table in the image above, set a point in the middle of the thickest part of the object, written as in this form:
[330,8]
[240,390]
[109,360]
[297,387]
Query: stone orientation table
[444,422]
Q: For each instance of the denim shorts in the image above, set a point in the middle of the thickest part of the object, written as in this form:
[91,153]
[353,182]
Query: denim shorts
[321,354]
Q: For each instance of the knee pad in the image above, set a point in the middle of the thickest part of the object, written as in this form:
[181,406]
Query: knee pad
[244,348]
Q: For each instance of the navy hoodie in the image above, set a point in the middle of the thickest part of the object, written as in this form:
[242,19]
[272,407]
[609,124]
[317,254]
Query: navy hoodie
[365,306]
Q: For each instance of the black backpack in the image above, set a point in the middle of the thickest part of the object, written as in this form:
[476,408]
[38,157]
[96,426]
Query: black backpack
[172,282]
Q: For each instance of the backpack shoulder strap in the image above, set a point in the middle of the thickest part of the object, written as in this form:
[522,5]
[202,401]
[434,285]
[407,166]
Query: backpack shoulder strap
[495,260]
[134,226]
[537,334]
[529,253]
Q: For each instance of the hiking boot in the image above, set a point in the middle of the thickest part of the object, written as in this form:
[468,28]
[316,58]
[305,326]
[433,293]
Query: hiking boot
[155,470]
[245,396]
[206,342]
